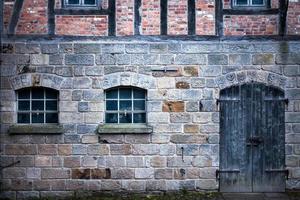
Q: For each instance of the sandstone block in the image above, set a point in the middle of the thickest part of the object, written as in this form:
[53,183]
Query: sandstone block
[90,139]
[55,174]
[101,173]
[43,161]
[72,162]
[122,174]
[173,106]
[144,173]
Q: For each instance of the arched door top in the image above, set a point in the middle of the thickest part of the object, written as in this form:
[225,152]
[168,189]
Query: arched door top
[250,76]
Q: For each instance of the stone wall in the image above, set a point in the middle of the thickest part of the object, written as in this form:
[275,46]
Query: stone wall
[181,108]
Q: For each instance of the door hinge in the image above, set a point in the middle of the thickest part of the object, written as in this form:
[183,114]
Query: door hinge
[286,171]
[285,100]
[218,172]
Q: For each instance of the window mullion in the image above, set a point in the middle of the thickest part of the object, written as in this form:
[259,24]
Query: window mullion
[45,99]
[118,105]
[30,109]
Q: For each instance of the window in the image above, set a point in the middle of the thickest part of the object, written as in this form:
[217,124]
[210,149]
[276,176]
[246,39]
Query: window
[81,3]
[249,3]
[37,106]
[125,105]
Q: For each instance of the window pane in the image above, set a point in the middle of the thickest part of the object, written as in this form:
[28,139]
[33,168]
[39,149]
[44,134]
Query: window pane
[125,118]
[111,118]
[51,105]
[257,2]
[23,118]
[37,117]
[37,93]
[24,105]
[51,118]
[24,94]
[112,94]
[241,2]
[111,105]
[38,105]
[139,118]
[90,2]
[125,93]
[125,105]
[51,94]
[138,94]
[73,1]
[139,105]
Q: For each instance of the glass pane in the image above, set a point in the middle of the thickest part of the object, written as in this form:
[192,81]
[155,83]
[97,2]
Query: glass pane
[90,2]
[125,105]
[257,2]
[24,105]
[37,117]
[111,118]
[139,118]
[51,105]
[138,94]
[73,1]
[139,105]
[125,93]
[112,94]
[38,105]
[24,94]
[51,118]
[51,94]
[37,93]
[23,118]
[241,2]
[125,118]
[111,105]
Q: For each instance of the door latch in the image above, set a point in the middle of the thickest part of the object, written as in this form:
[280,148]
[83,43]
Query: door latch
[254,141]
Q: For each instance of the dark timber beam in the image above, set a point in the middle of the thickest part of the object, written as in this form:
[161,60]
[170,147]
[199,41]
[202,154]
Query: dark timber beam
[51,17]
[15,16]
[1,19]
[137,17]
[164,17]
[283,9]
[219,17]
[112,18]
[191,17]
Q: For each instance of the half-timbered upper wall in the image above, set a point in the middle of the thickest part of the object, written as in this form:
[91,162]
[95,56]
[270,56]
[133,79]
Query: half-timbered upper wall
[145,17]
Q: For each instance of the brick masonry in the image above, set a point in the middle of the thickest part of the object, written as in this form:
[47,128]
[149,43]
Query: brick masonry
[80,159]
[251,25]
[33,18]
[81,25]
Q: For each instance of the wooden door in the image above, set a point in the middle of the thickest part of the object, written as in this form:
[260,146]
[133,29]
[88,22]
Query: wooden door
[252,139]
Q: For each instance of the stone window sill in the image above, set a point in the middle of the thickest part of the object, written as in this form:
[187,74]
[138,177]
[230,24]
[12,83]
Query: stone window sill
[124,129]
[35,129]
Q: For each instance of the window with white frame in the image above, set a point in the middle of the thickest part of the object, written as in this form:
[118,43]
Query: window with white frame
[125,105]
[37,106]
[81,3]
[249,3]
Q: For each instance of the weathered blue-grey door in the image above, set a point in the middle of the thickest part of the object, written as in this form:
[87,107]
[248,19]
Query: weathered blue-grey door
[252,139]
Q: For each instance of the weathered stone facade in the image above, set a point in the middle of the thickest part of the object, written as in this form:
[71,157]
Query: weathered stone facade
[183,80]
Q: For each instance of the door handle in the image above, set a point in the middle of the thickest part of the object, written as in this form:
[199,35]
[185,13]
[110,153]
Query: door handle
[254,141]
